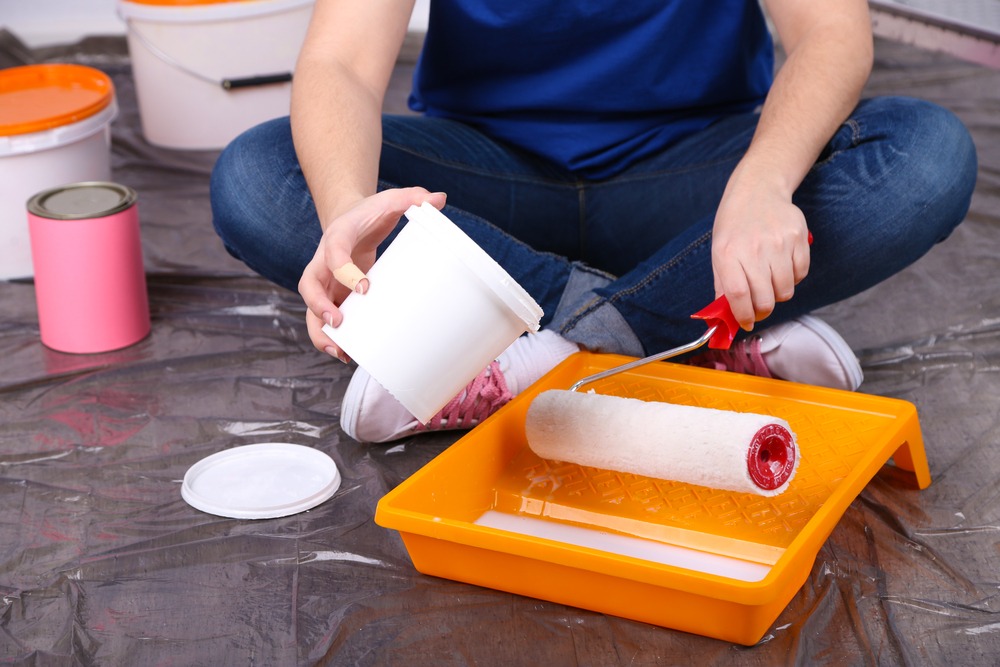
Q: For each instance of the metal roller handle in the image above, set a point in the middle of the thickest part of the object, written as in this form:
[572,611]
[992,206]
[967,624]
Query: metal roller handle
[659,356]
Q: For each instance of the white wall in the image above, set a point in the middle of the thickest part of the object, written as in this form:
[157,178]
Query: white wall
[43,22]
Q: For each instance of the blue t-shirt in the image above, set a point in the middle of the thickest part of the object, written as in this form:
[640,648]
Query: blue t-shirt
[593,85]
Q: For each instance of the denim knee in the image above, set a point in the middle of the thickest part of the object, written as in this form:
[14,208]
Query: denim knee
[896,179]
[939,171]
[954,147]
[261,207]
[223,189]
[236,184]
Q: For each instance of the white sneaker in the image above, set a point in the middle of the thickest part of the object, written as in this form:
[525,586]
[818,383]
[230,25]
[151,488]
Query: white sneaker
[369,413]
[805,350]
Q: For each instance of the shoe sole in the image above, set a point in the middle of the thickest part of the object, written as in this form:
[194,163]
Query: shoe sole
[845,355]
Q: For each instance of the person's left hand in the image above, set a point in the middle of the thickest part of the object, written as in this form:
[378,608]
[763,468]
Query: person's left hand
[760,248]
[346,251]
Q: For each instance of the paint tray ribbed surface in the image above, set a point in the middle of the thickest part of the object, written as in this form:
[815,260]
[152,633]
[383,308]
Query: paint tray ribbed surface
[488,511]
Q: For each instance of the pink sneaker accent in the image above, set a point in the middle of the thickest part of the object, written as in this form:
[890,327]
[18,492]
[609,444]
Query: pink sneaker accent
[805,350]
[743,357]
[369,413]
[486,394]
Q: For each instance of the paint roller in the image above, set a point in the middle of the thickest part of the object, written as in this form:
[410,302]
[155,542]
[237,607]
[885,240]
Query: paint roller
[735,451]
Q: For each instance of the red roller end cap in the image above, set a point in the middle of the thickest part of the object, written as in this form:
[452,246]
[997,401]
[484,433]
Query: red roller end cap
[771,457]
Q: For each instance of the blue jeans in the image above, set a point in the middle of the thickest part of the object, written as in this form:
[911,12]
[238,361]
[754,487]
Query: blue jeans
[619,265]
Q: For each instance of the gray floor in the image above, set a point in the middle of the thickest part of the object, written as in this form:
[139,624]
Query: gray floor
[102,562]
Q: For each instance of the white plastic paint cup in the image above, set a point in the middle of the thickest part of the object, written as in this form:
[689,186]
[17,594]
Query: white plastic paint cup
[438,310]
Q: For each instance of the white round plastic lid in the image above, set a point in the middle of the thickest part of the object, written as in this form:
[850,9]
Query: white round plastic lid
[261,481]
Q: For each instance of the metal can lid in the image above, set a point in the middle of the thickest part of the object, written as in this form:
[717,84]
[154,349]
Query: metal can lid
[80,201]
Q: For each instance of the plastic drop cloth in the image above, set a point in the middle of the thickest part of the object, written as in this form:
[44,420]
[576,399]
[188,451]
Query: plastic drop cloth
[103,563]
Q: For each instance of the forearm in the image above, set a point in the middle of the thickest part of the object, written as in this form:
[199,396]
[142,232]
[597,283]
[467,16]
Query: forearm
[341,76]
[815,90]
[337,130]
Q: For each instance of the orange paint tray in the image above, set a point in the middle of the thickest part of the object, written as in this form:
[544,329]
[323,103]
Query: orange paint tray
[488,511]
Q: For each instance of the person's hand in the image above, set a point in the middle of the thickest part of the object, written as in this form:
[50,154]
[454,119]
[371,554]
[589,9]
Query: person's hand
[760,249]
[346,251]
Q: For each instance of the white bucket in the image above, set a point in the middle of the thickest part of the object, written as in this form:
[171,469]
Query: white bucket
[185,55]
[71,150]
[438,310]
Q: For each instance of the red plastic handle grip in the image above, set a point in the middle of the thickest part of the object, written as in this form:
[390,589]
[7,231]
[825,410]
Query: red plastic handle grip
[720,315]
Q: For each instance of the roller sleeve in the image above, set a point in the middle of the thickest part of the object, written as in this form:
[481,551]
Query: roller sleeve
[735,451]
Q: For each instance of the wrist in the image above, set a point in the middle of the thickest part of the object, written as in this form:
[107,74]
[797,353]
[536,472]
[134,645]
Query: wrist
[336,206]
[759,176]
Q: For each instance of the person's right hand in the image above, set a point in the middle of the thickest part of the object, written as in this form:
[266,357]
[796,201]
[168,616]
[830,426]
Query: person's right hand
[760,248]
[346,251]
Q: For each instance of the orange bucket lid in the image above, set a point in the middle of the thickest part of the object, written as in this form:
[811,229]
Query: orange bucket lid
[34,98]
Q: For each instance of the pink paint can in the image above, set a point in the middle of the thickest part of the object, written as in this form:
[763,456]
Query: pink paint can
[90,282]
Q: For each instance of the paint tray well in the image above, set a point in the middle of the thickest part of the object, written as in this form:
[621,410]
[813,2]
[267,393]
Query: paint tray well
[488,511]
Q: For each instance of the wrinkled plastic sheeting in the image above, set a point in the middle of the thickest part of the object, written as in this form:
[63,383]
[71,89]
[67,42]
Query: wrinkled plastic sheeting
[102,562]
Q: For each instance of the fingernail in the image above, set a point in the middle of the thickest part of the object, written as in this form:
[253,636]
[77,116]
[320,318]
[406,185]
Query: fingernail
[328,318]
[362,286]
[335,353]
